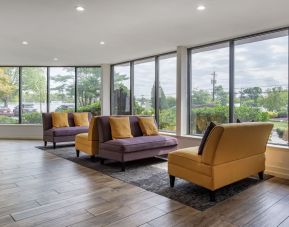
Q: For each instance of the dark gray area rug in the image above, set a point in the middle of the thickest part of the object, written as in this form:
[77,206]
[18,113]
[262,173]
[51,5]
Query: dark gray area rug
[151,174]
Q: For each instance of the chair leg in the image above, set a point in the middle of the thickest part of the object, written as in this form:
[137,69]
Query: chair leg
[261,175]
[77,153]
[45,143]
[123,166]
[54,145]
[212,196]
[172,181]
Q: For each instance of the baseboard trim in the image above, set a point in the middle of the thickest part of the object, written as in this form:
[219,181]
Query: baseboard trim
[278,171]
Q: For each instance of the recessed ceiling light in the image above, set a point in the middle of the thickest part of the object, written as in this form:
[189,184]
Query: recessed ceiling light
[79,8]
[24,43]
[201,7]
[101,42]
[55,59]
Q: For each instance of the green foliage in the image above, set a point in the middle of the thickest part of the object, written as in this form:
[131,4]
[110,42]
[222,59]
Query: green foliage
[94,108]
[253,93]
[201,97]
[31,118]
[167,119]
[280,132]
[245,113]
[7,120]
[8,86]
[276,99]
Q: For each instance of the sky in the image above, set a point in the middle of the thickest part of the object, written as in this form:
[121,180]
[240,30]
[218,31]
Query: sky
[263,63]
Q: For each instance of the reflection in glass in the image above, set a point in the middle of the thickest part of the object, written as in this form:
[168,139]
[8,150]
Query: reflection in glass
[167,92]
[89,90]
[210,86]
[34,94]
[62,89]
[120,100]
[144,87]
[261,82]
[9,95]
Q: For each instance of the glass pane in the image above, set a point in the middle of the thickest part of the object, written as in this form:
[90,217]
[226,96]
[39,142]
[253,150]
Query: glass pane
[34,94]
[210,87]
[89,90]
[144,87]
[120,103]
[261,82]
[62,89]
[167,92]
[9,95]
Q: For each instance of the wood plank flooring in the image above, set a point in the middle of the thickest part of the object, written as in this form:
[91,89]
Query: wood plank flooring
[41,189]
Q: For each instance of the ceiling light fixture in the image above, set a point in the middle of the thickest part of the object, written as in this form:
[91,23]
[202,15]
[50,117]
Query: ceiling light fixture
[101,42]
[25,43]
[79,8]
[201,7]
[55,59]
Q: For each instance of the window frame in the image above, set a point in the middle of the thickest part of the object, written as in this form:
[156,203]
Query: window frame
[232,44]
[48,84]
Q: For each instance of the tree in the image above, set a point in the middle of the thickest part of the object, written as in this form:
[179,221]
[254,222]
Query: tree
[35,84]
[7,87]
[253,93]
[276,99]
[88,86]
[221,97]
[162,97]
[200,97]
[120,94]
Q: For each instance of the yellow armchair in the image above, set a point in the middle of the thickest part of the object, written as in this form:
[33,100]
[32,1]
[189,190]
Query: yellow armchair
[232,152]
[88,142]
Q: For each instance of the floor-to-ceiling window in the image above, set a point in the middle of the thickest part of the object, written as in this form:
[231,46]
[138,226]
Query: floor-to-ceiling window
[9,95]
[144,87]
[167,92]
[62,89]
[261,82]
[89,90]
[34,94]
[209,71]
[120,96]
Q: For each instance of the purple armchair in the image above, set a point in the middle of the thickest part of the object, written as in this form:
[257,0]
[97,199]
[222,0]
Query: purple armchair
[56,135]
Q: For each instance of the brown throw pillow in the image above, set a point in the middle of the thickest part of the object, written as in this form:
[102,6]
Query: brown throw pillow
[148,126]
[205,137]
[120,127]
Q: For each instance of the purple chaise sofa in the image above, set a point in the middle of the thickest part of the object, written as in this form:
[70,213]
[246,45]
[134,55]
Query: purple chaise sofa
[138,147]
[56,135]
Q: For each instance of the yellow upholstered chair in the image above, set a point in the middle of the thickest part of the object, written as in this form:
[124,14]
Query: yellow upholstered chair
[88,142]
[232,152]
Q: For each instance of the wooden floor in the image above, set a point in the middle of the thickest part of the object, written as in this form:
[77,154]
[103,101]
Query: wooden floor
[40,189]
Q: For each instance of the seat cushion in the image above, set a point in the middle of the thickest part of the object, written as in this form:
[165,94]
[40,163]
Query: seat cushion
[67,131]
[188,158]
[82,138]
[139,143]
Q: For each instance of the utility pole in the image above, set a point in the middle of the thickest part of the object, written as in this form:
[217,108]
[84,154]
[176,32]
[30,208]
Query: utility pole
[213,82]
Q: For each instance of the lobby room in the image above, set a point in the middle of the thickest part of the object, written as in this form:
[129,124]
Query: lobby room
[144,113]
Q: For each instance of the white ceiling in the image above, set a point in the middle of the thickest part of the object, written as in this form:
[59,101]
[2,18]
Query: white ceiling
[130,28]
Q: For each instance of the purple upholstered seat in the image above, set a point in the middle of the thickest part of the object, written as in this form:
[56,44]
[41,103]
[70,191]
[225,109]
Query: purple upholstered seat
[139,143]
[68,131]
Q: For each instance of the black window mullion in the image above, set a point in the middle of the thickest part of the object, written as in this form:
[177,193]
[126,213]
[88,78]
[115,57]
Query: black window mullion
[157,87]
[189,93]
[20,96]
[75,89]
[48,89]
[131,87]
[231,80]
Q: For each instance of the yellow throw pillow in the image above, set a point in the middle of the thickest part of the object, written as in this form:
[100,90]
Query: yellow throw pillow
[148,126]
[120,127]
[81,119]
[59,120]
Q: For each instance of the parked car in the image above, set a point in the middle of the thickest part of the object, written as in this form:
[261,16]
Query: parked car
[26,108]
[5,111]
[65,108]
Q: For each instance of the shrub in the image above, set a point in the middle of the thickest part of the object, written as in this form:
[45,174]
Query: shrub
[8,120]
[94,108]
[31,118]
[280,132]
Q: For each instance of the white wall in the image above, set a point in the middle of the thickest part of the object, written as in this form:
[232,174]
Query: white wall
[21,132]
